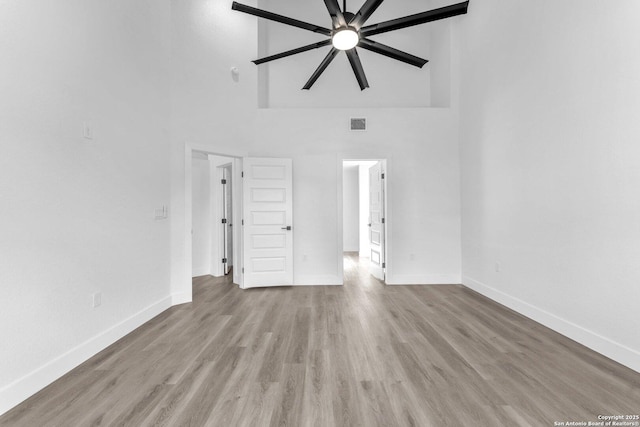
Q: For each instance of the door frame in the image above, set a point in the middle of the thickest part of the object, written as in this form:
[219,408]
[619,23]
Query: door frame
[188,211]
[388,235]
[227,233]
[216,202]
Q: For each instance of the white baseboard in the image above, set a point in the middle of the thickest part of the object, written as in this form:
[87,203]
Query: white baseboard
[603,345]
[200,271]
[181,298]
[22,388]
[316,280]
[423,279]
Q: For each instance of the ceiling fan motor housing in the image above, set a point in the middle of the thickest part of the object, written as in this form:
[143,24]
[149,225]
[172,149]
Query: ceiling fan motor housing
[348,16]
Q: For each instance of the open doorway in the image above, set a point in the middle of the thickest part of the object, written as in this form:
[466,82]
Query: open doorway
[214,211]
[259,201]
[201,222]
[363,216]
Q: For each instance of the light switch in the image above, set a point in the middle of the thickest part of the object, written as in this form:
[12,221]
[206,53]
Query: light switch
[87,130]
[97,299]
[161,213]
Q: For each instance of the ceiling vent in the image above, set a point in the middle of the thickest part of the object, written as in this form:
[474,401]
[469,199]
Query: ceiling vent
[358,124]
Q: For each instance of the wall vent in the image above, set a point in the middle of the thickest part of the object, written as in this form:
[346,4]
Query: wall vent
[358,124]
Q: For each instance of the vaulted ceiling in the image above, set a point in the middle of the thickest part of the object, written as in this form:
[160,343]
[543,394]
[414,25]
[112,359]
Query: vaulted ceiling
[393,84]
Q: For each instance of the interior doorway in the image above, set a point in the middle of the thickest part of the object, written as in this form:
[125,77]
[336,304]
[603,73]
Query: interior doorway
[201,222]
[259,199]
[214,210]
[364,215]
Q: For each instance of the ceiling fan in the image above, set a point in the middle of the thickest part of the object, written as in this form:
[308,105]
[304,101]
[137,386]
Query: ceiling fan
[349,31]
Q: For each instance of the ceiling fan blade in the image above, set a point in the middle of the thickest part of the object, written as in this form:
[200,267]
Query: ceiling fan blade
[364,13]
[279,18]
[417,19]
[354,59]
[336,15]
[323,66]
[392,53]
[292,52]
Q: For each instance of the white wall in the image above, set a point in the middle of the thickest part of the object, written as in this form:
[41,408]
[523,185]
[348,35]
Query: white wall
[423,218]
[392,83]
[211,109]
[214,112]
[420,144]
[350,209]
[89,206]
[77,215]
[550,154]
[202,216]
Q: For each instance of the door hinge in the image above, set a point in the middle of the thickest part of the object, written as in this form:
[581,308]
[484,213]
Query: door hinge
[224,181]
[382,176]
[242,174]
[224,220]
[243,222]
[242,270]
[383,220]
[384,265]
[224,260]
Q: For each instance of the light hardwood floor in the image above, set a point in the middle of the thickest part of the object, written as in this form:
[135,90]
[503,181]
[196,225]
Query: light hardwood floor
[360,355]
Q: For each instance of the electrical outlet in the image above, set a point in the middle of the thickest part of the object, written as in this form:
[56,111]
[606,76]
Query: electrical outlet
[497,267]
[97,299]
[412,257]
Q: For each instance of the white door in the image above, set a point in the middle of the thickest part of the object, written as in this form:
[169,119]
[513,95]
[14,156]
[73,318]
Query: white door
[268,228]
[236,208]
[376,221]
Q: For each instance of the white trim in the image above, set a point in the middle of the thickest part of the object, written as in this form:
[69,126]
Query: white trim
[316,280]
[388,217]
[185,285]
[181,298]
[423,279]
[603,345]
[340,217]
[215,216]
[22,388]
[216,240]
[202,270]
[236,190]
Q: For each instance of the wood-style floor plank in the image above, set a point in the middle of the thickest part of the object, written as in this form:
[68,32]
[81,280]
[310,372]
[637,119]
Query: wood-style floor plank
[364,354]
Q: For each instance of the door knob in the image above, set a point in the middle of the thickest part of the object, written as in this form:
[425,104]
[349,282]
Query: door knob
[288,227]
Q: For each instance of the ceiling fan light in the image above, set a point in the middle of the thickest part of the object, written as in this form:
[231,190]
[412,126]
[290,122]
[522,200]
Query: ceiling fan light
[345,39]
